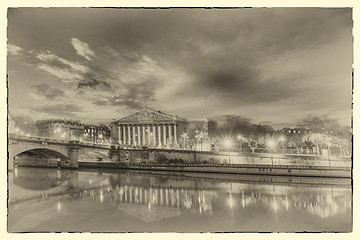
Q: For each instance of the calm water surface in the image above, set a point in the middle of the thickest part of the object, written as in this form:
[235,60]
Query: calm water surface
[54,200]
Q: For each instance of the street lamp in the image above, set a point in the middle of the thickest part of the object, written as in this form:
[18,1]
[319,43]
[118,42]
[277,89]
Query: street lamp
[271,145]
[228,144]
[282,140]
[241,139]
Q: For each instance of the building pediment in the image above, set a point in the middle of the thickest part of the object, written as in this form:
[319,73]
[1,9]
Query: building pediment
[148,115]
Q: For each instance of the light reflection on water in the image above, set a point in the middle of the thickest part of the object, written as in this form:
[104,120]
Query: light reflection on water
[120,201]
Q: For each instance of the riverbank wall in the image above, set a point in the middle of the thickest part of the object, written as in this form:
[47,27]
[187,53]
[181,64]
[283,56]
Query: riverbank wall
[186,156]
[249,169]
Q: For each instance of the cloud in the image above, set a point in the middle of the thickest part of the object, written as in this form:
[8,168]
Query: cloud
[60,110]
[133,79]
[90,81]
[45,91]
[13,49]
[270,64]
[132,98]
[68,71]
[63,74]
[61,62]
[82,49]
[61,68]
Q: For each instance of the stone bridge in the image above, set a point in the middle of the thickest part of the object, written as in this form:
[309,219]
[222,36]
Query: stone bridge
[68,151]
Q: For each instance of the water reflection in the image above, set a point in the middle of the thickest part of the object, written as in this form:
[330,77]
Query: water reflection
[153,203]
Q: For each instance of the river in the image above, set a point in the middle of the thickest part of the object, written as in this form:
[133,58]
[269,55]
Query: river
[51,200]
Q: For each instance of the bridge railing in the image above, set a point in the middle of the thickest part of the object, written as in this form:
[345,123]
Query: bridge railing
[91,144]
[53,140]
[37,138]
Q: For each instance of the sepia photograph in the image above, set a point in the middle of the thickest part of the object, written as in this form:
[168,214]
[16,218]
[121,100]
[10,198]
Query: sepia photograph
[179,120]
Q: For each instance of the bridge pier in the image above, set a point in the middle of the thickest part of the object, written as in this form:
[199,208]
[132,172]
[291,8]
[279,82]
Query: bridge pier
[11,162]
[73,154]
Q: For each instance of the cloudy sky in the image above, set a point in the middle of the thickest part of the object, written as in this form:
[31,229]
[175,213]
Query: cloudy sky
[272,65]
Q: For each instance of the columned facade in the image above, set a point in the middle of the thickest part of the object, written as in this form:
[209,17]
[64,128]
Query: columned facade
[149,128]
[149,134]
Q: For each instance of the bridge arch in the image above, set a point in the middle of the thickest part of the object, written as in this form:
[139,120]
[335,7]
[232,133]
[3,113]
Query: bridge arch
[39,157]
[16,149]
[94,155]
[68,150]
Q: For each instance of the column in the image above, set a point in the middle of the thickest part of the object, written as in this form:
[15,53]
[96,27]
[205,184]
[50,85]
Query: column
[138,135]
[119,128]
[154,135]
[148,135]
[164,135]
[134,136]
[159,135]
[170,137]
[175,134]
[124,135]
[129,135]
[143,135]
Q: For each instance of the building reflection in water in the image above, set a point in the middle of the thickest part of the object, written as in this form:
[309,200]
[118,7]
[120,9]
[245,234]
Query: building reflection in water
[156,202]
[152,198]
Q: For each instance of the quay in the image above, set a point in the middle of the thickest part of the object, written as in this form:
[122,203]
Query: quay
[248,169]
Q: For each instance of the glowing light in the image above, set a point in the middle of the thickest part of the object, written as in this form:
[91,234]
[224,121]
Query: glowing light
[101,196]
[282,139]
[230,201]
[228,143]
[271,143]
[58,173]
[275,204]
[58,206]
[240,137]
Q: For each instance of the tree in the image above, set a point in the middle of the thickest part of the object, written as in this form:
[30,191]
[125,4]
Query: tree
[296,141]
[184,139]
[254,140]
[242,129]
[325,133]
[22,125]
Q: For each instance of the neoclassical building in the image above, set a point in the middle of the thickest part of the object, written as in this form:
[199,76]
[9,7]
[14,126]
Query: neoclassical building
[148,128]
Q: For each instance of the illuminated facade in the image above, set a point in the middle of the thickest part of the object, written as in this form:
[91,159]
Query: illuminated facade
[148,128]
[60,129]
[74,130]
[157,129]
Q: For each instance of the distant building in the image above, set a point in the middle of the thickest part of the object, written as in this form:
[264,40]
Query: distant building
[204,125]
[60,129]
[153,128]
[74,130]
[291,131]
[148,128]
[100,133]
